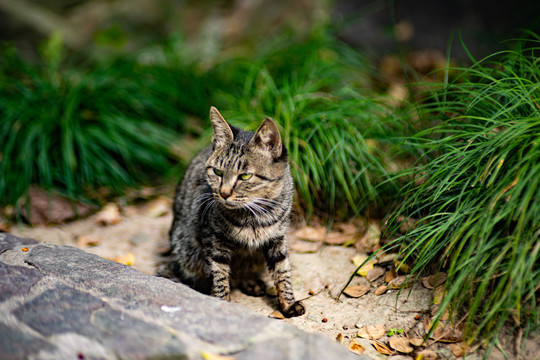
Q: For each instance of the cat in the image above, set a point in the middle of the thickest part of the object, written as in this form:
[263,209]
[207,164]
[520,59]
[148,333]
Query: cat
[231,214]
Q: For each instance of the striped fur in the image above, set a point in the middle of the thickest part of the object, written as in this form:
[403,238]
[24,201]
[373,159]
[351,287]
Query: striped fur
[231,214]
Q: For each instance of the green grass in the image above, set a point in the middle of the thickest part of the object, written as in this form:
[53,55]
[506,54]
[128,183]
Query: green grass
[112,122]
[108,124]
[475,194]
[338,133]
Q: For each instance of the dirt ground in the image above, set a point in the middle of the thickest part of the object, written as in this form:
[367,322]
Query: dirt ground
[138,234]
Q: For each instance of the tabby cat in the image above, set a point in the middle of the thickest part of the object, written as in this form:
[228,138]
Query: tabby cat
[231,213]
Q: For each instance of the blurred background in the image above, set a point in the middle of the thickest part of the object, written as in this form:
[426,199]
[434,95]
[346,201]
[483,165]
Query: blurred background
[208,27]
[101,96]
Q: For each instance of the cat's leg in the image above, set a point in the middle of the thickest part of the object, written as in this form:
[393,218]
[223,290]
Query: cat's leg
[218,258]
[277,258]
[220,273]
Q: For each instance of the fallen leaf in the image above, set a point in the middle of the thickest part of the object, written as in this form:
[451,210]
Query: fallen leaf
[109,215]
[382,348]
[416,341]
[374,273]
[158,207]
[210,356]
[356,347]
[356,290]
[447,334]
[127,259]
[337,238]
[390,275]
[385,258]
[311,233]
[402,267]
[88,240]
[401,344]
[434,280]
[372,332]
[426,355]
[301,246]
[277,315]
[381,290]
[400,282]
[360,259]
[459,349]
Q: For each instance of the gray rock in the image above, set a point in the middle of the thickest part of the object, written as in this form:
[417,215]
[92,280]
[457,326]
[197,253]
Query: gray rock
[59,302]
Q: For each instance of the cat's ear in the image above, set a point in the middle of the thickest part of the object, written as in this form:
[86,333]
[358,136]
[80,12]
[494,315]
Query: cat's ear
[223,134]
[267,138]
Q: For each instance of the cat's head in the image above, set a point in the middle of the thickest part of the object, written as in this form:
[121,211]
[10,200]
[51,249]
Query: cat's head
[247,170]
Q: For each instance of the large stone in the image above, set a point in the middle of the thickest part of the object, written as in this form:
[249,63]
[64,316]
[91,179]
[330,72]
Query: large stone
[65,303]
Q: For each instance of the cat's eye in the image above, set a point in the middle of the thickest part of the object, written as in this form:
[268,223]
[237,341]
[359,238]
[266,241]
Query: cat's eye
[218,172]
[246,176]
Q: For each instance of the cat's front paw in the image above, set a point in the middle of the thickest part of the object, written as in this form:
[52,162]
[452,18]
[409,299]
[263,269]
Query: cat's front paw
[295,309]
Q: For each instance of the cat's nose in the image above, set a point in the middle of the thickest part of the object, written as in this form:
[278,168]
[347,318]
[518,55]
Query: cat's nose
[225,193]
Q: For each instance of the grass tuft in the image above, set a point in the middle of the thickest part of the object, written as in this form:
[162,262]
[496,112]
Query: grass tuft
[338,136]
[475,194]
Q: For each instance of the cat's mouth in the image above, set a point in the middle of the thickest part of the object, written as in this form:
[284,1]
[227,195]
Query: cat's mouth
[230,204]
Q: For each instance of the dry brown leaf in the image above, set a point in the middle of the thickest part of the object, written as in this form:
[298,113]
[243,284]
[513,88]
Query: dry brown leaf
[276,314]
[401,344]
[356,347]
[340,338]
[426,355]
[370,239]
[375,273]
[372,332]
[301,246]
[127,259]
[88,240]
[109,215]
[356,290]
[447,334]
[459,349]
[434,280]
[382,348]
[311,233]
[390,275]
[399,282]
[337,238]
[158,207]
[381,290]
[416,341]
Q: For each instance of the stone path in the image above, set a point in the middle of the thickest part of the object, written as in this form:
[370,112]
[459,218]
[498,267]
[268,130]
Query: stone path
[59,302]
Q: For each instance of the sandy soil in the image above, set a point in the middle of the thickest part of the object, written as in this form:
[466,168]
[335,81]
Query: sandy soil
[138,235]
